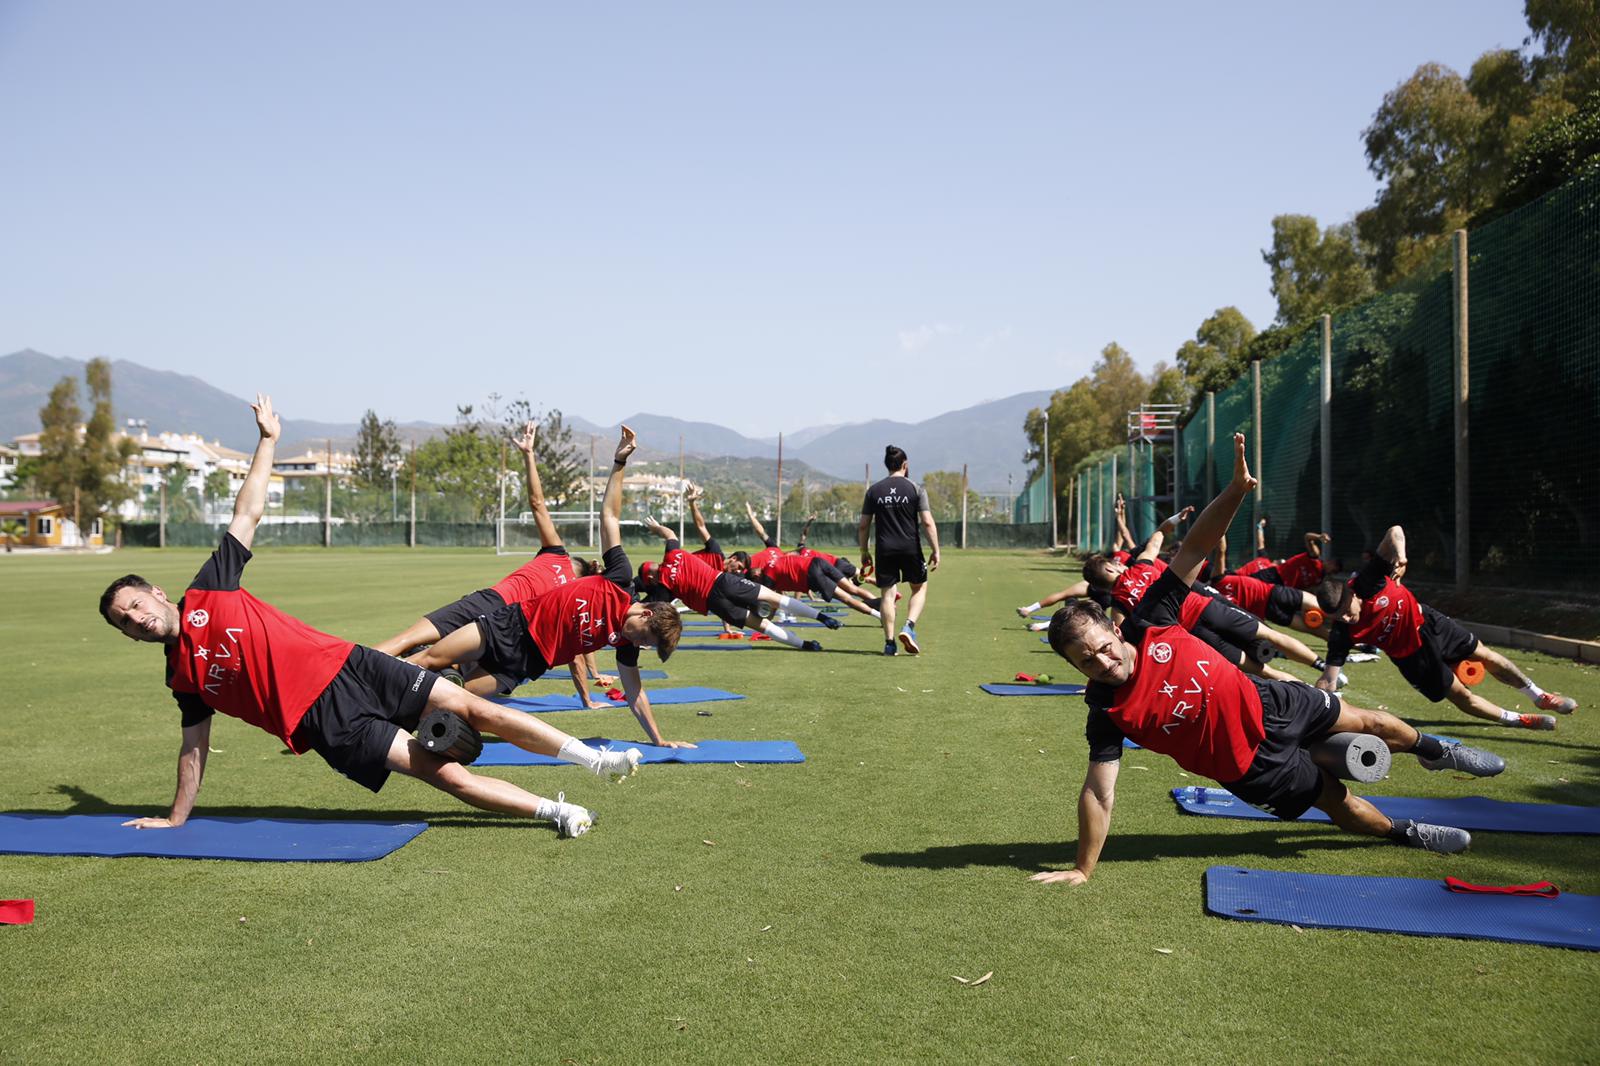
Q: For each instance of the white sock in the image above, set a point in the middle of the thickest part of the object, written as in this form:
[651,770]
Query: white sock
[1030,608]
[1510,717]
[777,632]
[547,810]
[794,606]
[875,612]
[576,751]
[1533,691]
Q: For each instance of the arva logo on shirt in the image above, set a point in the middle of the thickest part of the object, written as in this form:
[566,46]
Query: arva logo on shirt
[1162,652]
[199,617]
[894,499]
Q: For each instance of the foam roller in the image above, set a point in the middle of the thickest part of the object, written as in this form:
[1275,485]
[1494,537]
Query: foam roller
[449,736]
[1470,671]
[1314,617]
[1263,651]
[1353,756]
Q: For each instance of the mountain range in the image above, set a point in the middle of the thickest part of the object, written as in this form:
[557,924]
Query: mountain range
[987,437]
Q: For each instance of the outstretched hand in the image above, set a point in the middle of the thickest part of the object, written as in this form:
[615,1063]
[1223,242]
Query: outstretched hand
[1182,516]
[1242,478]
[266,419]
[151,823]
[676,744]
[625,445]
[524,440]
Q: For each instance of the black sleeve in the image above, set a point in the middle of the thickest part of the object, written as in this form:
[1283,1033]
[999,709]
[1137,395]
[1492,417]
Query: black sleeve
[1369,579]
[193,708]
[1105,739]
[771,543]
[713,547]
[672,545]
[1339,643]
[553,549]
[628,655]
[618,570]
[222,571]
[1162,603]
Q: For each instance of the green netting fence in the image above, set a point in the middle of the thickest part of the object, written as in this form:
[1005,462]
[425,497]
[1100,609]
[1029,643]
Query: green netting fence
[1532,326]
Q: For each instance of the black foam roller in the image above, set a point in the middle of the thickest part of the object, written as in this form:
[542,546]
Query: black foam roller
[449,736]
[1263,651]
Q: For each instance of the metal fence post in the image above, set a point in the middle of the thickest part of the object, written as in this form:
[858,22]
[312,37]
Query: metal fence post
[1458,307]
[1327,423]
[1211,446]
[1255,433]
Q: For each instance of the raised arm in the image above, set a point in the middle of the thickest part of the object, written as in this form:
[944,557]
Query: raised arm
[755,523]
[1261,537]
[1124,539]
[1393,546]
[536,505]
[805,532]
[251,503]
[1094,824]
[1213,522]
[611,504]
[658,529]
[1152,547]
[191,769]
[695,495]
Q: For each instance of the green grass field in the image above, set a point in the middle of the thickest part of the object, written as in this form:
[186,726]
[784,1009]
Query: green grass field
[813,913]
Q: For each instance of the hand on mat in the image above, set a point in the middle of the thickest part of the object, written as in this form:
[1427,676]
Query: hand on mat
[605,680]
[151,823]
[1057,877]
[675,744]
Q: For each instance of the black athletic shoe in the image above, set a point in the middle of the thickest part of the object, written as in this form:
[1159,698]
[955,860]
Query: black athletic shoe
[829,620]
[811,645]
[890,648]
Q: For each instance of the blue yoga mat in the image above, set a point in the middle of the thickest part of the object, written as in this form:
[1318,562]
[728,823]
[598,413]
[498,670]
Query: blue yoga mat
[1032,690]
[566,675]
[1400,905]
[697,629]
[727,645]
[257,839]
[1464,812]
[499,753]
[661,697]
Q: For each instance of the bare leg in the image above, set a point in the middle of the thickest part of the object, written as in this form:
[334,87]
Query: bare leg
[1467,700]
[919,596]
[1349,811]
[1290,648]
[1397,734]
[523,730]
[891,596]
[1504,670]
[408,757]
[465,645]
[421,631]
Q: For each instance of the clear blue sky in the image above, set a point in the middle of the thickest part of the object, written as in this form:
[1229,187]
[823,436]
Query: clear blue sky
[769,216]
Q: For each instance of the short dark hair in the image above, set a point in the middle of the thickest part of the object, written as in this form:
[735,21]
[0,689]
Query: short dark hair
[585,566]
[1071,617]
[742,558]
[894,458]
[666,626]
[1097,572]
[127,581]
[1330,594]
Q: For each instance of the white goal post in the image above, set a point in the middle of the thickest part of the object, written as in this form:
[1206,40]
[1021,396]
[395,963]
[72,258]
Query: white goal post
[578,529]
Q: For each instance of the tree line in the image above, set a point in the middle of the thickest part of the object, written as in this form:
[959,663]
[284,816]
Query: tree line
[1451,152]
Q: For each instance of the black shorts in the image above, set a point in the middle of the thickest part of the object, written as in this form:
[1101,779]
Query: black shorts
[352,725]
[734,598]
[1283,603]
[1282,779]
[823,577]
[900,566]
[1431,669]
[465,611]
[509,652]
[845,567]
[1233,624]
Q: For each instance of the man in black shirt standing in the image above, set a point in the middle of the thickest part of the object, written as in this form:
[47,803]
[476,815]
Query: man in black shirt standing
[900,507]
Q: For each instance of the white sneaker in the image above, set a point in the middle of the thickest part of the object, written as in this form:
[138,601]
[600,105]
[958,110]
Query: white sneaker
[1040,627]
[618,764]
[572,820]
[1341,681]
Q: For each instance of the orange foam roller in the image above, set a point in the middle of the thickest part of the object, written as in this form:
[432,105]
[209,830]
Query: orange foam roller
[1314,617]
[1470,671]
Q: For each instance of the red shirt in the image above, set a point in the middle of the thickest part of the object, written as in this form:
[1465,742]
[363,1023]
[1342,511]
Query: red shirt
[710,558]
[1132,582]
[1303,571]
[765,558]
[831,560]
[249,660]
[1186,701]
[788,574]
[1121,556]
[686,577]
[1391,618]
[546,571]
[1249,593]
[1255,566]
[577,618]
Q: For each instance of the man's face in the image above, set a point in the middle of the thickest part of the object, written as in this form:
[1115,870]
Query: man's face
[1100,654]
[144,614]
[730,565]
[1349,609]
[636,629]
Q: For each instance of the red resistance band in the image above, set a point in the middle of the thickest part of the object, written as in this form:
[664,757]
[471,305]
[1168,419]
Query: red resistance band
[16,912]
[1027,679]
[1542,889]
